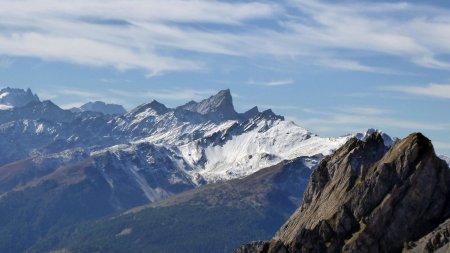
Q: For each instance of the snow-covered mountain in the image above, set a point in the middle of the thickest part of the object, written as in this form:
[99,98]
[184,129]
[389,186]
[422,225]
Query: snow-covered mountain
[99,106]
[10,97]
[160,151]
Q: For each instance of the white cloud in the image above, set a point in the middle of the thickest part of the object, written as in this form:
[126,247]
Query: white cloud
[354,121]
[155,35]
[441,145]
[355,118]
[351,65]
[121,34]
[271,83]
[280,107]
[174,94]
[433,90]
[430,62]
[362,110]
[71,97]
[179,94]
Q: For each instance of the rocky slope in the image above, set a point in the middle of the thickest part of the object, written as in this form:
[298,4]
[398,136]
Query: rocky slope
[365,198]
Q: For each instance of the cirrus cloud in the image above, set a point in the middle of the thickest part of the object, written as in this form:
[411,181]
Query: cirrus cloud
[161,36]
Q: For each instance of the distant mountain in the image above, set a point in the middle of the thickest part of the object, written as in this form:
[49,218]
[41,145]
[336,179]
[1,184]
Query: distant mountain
[10,97]
[365,198]
[99,106]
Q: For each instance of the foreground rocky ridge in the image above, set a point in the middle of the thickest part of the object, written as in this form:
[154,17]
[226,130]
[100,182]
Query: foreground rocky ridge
[365,198]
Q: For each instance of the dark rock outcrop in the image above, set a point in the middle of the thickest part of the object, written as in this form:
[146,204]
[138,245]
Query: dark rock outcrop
[366,199]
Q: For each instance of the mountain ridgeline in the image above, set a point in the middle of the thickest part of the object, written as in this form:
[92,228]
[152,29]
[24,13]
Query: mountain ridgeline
[59,168]
[202,177]
[365,198]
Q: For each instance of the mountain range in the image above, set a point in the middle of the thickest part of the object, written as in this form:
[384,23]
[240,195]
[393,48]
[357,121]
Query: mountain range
[96,179]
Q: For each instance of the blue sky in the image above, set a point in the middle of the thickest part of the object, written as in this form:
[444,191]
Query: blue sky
[331,67]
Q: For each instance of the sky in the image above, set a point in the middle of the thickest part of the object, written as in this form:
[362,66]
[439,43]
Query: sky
[333,67]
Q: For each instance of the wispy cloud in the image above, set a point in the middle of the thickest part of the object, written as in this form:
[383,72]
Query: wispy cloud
[353,121]
[272,83]
[356,118]
[441,145]
[76,97]
[351,65]
[179,94]
[364,110]
[121,34]
[433,90]
[280,107]
[113,81]
[155,35]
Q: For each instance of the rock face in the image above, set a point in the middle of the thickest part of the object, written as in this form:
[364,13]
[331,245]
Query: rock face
[365,198]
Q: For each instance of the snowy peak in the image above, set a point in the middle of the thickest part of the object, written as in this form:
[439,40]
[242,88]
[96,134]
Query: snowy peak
[11,97]
[99,106]
[219,106]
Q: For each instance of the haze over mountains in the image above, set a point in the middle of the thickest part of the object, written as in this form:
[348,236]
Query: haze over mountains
[68,170]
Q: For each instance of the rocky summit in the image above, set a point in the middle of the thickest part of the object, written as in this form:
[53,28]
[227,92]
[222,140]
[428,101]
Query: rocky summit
[365,198]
